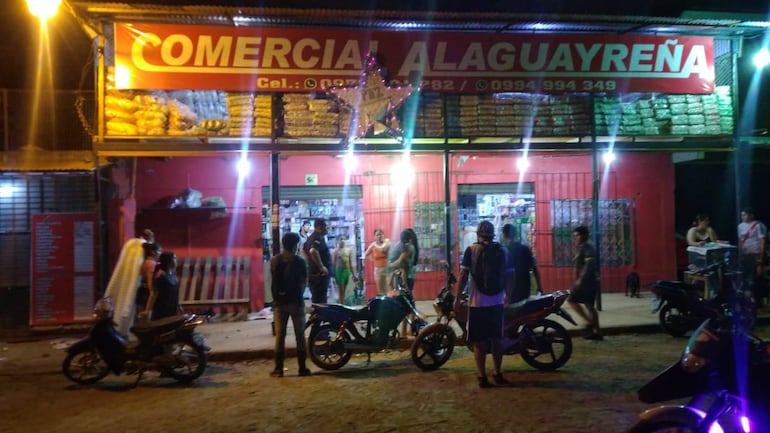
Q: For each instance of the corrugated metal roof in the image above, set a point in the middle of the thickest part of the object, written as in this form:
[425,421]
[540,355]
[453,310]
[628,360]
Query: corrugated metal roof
[742,25]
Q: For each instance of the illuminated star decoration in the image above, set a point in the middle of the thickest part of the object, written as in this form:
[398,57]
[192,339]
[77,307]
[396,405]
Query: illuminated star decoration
[373,102]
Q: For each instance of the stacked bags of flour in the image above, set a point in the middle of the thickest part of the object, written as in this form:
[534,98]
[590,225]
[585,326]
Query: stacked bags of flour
[130,113]
[307,116]
[263,115]
[119,109]
[240,111]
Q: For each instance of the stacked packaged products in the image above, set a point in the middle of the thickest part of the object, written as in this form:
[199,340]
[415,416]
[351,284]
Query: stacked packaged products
[645,114]
[307,116]
[247,114]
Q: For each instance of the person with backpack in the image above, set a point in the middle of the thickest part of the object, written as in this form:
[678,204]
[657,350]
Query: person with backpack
[489,291]
[289,277]
[586,285]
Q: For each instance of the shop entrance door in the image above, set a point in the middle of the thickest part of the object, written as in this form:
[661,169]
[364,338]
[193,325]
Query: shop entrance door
[341,206]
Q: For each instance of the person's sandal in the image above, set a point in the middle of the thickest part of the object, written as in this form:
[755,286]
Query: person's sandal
[500,380]
[484,382]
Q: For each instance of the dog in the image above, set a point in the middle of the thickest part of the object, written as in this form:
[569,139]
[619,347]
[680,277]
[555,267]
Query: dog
[632,285]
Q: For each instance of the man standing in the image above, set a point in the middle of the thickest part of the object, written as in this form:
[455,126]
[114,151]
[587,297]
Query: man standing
[288,273]
[489,264]
[752,236]
[320,259]
[586,286]
[304,232]
[523,263]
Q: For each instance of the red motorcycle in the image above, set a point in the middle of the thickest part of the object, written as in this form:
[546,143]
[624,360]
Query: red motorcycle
[543,343]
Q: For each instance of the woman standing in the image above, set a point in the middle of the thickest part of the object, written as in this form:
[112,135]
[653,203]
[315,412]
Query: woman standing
[343,267]
[378,253]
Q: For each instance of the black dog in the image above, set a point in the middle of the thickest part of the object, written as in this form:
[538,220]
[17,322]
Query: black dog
[632,285]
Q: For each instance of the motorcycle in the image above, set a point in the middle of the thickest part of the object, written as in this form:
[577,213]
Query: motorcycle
[543,343]
[337,331]
[681,307]
[168,345]
[708,372]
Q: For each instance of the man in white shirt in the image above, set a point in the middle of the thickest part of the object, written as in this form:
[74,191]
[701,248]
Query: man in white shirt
[752,240]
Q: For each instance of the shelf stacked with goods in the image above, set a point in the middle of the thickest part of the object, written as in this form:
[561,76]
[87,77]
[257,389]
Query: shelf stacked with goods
[190,121]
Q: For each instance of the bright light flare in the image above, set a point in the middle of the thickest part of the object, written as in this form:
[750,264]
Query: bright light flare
[522,164]
[402,174]
[6,191]
[350,161]
[243,167]
[608,157]
[43,9]
[762,58]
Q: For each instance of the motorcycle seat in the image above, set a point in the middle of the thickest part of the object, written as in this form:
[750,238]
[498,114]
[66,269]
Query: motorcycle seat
[158,326]
[528,306]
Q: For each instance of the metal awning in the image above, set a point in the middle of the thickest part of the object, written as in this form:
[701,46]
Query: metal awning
[42,160]
[690,23]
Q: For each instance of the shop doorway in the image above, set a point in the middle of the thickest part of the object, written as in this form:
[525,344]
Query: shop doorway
[499,203]
[341,206]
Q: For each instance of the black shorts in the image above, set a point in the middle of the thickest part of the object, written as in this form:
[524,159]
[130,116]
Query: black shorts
[485,323]
[583,295]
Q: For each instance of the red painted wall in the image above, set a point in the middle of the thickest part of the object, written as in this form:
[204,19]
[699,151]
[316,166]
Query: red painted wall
[647,178]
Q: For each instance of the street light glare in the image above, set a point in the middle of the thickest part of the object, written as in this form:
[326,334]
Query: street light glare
[762,58]
[43,9]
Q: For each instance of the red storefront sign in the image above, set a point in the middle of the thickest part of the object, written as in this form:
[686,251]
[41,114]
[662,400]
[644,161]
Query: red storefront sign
[160,56]
[63,268]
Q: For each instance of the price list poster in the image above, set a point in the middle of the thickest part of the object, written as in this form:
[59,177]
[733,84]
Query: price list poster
[63,268]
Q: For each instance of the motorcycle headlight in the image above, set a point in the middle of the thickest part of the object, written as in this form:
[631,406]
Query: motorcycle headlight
[691,362]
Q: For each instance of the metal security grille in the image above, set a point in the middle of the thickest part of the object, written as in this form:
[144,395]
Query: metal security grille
[615,229]
[21,196]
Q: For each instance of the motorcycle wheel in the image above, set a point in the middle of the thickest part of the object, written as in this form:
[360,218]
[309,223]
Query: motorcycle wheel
[669,327]
[662,427]
[326,347]
[85,367]
[189,361]
[433,346]
[546,345]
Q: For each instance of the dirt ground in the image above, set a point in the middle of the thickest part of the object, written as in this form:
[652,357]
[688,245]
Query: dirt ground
[594,392]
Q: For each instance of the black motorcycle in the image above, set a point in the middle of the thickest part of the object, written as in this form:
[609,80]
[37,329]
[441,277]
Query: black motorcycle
[543,343]
[337,331]
[725,372]
[168,345]
[681,307]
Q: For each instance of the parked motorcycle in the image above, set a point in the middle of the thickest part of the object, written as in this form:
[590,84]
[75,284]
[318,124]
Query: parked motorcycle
[337,331]
[681,307]
[543,343]
[709,371]
[168,345]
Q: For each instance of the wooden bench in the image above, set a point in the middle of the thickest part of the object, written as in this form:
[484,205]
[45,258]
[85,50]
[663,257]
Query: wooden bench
[206,283]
